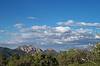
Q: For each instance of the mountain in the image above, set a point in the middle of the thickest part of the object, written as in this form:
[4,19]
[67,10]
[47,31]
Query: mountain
[25,49]
[50,51]
[29,49]
[8,52]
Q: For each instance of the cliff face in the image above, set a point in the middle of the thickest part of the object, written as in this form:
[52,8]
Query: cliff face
[27,49]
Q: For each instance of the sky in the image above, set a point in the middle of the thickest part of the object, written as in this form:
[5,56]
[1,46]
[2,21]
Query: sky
[49,23]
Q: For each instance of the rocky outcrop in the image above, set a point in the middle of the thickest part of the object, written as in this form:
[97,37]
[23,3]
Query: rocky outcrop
[29,49]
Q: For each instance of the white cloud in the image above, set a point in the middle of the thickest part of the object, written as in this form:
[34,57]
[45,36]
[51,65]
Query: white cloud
[74,23]
[97,36]
[63,33]
[18,25]
[81,30]
[31,18]
[39,27]
[26,35]
[88,24]
[62,29]
[67,23]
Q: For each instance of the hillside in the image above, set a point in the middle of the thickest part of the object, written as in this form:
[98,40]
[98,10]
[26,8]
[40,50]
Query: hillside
[28,55]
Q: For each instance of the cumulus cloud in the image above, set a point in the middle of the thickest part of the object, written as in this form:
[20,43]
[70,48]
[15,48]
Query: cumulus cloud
[74,23]
[63,34]
[62,29]
[81,30]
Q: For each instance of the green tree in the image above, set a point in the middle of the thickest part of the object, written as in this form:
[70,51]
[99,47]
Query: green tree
[62,58]
[13,60]
[3,60]
[96,52]
[48,60]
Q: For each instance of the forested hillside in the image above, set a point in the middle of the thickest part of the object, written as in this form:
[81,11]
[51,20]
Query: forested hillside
[49,57]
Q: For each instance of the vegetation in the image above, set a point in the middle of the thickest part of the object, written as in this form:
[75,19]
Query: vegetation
[71,57]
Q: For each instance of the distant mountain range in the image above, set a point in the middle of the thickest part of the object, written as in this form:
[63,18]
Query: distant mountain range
[8,52]
[25,49]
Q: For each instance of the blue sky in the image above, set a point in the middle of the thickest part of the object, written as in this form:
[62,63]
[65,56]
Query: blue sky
[17,15]
[48,11]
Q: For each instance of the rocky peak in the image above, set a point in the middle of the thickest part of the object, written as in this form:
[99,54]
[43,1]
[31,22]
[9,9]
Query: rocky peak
[27,48]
